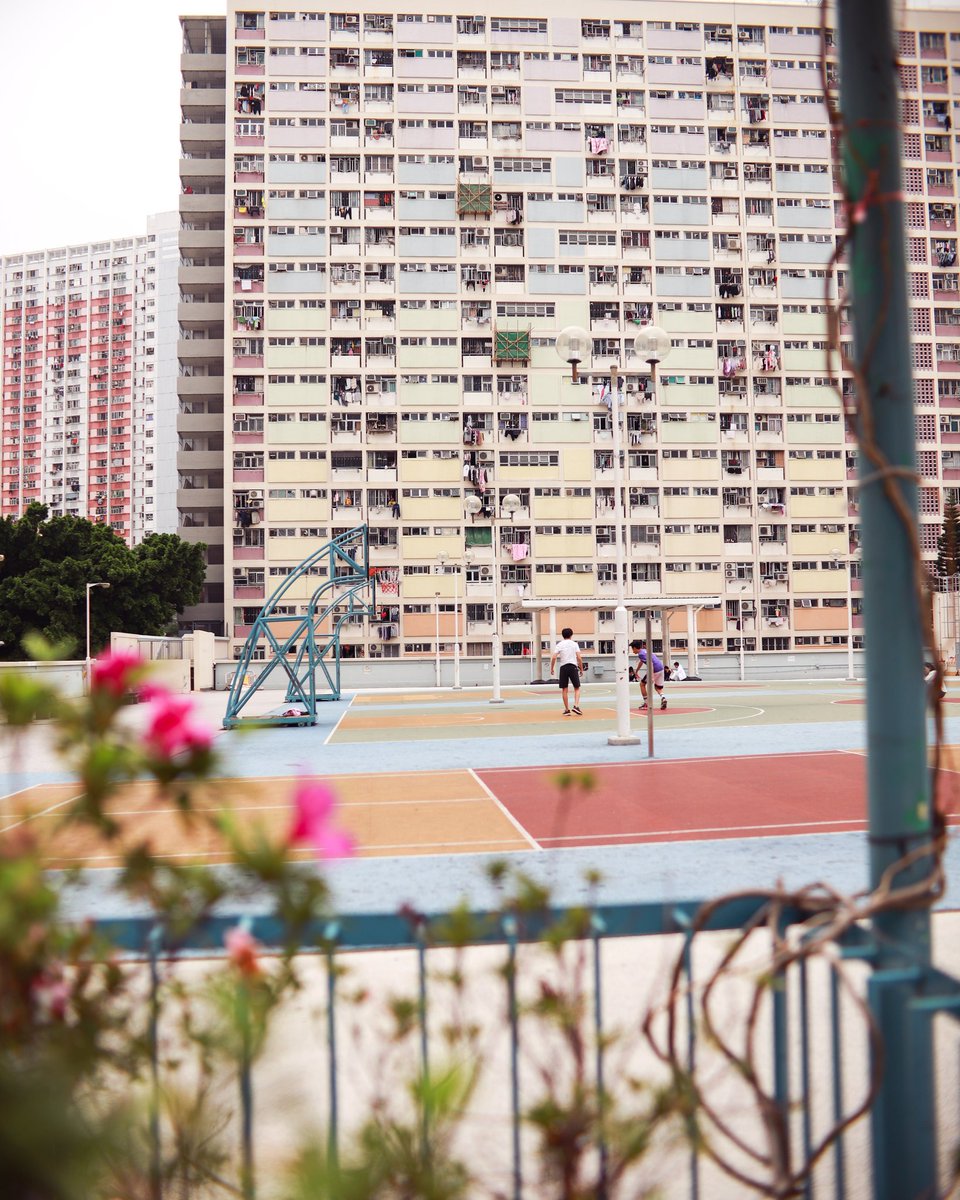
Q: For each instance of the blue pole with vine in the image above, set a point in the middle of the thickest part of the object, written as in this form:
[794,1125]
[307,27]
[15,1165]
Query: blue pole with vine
[896,625]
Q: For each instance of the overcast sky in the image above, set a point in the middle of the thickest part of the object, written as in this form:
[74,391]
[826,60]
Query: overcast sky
[90,139]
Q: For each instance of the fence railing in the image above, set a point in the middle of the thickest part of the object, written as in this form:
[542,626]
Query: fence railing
[815,1048]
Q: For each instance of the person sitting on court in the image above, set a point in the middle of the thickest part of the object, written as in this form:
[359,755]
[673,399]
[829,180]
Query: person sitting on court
[567,651]
[678,674]
[658,674]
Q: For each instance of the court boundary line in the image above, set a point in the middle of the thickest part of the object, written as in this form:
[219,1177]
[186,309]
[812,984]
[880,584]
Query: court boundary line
[642,762]
[326,740]
[425,851]
[666,834]
[525,833]
[43,812]
[255,808]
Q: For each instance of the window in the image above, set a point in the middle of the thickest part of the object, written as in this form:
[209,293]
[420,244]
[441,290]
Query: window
[517,25]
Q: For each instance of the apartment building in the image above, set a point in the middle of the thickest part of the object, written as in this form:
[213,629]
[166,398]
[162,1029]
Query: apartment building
[88,414]
[389,215]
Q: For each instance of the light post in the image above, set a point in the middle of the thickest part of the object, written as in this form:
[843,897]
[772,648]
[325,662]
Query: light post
[651,344]
[848,562]
[437,615]
[508,506]
[442,561]
[90,587]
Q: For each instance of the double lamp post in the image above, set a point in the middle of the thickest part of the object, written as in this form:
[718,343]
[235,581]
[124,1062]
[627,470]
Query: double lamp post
[652,345]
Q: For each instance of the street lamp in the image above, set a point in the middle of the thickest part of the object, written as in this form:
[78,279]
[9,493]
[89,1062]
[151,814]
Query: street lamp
[848,561]
[652,344]
[437,614]
[442,562]
[90,587]
[508,506]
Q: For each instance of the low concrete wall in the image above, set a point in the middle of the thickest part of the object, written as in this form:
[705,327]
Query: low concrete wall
[357,674]
[66,676]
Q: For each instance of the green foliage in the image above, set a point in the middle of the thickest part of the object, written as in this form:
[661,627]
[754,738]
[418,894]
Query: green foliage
[948,544]
[76,1043]
[48,563]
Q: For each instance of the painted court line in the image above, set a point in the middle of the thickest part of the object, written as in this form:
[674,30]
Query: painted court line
[424,848]
[255,808]
[326,740]
[641,762]
[734,830]
[44,812]
[534,844]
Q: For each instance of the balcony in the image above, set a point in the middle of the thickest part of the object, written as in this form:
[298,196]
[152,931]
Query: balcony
[198,351]
[202,172]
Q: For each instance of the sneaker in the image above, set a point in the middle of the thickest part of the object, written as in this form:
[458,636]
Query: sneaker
[642,708]
[566,712]
[577,711]
[663,702]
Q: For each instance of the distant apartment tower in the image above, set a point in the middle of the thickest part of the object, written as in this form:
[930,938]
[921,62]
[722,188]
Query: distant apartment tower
[415,203]
[87,410]
[201,496]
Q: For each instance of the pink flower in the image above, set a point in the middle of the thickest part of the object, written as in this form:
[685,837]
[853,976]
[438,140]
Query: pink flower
[50,994]
[114,671]
[242,949]
[313,821]
[171,728]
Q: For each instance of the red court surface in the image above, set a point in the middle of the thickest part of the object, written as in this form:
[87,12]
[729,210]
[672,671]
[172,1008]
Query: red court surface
[693,799]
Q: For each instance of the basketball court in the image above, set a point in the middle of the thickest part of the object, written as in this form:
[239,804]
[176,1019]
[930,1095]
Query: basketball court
[449,773]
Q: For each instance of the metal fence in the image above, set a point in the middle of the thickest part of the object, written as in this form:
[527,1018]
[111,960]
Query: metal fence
[812,1049]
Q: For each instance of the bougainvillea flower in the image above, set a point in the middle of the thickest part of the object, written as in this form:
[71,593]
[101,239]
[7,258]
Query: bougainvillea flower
[314,805]
[242,949]
[172,727]
[51,995]
[114,671]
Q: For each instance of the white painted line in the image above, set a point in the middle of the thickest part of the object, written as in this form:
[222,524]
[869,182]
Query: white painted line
[642,762]
[423,847]
[43,812]
[326,740]
[21,791]
[256,808]
[534,844]
[663,834]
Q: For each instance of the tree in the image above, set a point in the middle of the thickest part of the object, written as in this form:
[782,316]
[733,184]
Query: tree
[948,544]
[49,561]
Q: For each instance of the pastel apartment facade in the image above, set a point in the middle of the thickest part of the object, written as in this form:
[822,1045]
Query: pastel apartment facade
[88,412]
[388,216]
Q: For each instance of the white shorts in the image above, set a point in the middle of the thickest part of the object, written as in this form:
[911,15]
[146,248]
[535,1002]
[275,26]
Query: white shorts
[657,678]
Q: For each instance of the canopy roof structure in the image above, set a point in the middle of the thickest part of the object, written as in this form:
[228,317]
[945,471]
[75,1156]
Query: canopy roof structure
[635,603]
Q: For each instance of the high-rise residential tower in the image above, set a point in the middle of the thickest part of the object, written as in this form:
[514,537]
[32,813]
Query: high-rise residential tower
[87,408]
[391,213]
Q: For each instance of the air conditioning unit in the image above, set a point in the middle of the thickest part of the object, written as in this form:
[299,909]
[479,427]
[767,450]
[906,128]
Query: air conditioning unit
[765,530]
[781,577]
[733,241]
[578,416]
[254,497]
[568,491]
[485,573]
[730,173]
[498,195]
[370,388]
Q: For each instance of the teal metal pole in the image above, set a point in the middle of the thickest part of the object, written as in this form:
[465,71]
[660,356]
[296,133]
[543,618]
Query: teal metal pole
[904,1157]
